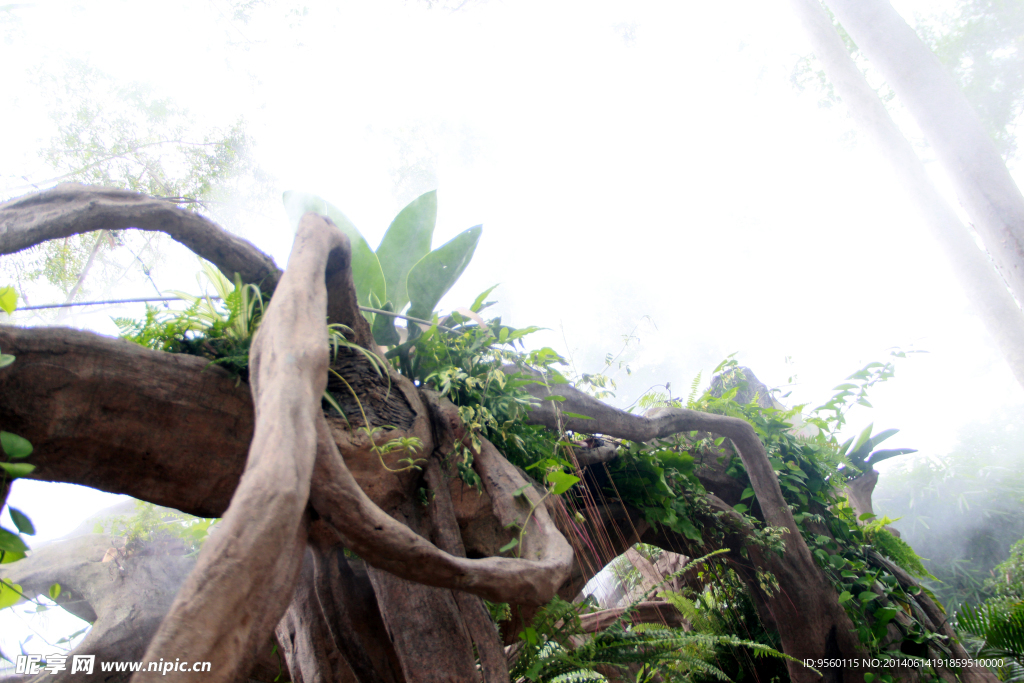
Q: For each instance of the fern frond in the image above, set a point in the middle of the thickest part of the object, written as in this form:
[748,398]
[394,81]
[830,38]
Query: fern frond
[693,390]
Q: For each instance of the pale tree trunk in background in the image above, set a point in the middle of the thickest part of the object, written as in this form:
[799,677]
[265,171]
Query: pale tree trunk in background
[983,184]
[988,192]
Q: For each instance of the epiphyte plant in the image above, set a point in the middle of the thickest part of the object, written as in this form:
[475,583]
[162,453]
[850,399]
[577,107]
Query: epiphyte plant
[403,270]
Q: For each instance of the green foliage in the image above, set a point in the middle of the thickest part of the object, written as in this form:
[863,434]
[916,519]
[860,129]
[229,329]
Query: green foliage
[1000,627]
[12,546]
[811,471]
[220,331]
[997,625]
[980,42]
[1007,582]
[894,547]
[479,370]
[403,270]
[123,135]
[546,652]
[113,134]
[962,510]
[150,523]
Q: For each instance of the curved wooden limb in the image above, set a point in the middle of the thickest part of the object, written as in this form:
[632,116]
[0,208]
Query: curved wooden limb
[246,573]
[178,438]
[387,544]
[71,209]
[648,612]
[664,422]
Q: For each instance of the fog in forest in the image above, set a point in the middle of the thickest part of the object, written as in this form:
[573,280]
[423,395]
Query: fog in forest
[660,185]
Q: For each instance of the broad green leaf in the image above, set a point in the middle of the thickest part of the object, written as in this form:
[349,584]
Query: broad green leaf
[54,591]
[845,596]
[10,594]
[862,440]
[17,469]
[562,482]
[508,546]
[14,446]
[8,556]
[22,521]
[8,299]
[434,275]
[366,270]
[11,541]
[747,493]
[577,416]
[885,454]
[882,436]
[884,615]
[6,359]
[867,596]
[866,516]
[384,332]
[478,303]
[740,508]
[405,243]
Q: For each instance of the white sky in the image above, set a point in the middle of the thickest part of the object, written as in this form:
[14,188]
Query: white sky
[626,160]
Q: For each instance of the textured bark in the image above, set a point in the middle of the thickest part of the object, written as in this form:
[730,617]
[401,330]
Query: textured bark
[178,438]
[246,573]
[71,209]
[984,287]
[474,613]
[387,544]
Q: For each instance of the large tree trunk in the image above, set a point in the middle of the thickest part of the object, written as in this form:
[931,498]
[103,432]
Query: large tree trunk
[983,183]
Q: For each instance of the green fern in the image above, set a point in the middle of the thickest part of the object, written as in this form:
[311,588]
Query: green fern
[1000,625]
[694,388]
[895,548]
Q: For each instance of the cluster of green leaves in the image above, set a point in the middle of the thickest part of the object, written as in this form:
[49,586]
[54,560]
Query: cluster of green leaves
[659,479]
[403,270]
[644,652]
[115,134]
[479,369]
[812,470]
[996,626]
[151,523]
[965,509]
[219,330]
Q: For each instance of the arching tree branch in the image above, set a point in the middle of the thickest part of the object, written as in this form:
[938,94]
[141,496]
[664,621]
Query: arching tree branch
[71,209]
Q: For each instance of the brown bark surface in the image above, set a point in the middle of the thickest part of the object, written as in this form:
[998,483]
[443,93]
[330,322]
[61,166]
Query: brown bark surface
[71,209]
